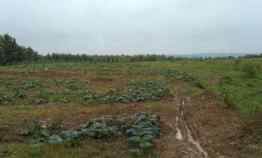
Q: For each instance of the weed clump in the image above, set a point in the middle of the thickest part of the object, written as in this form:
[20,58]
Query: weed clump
[5,99]
[252,130]
[228,100]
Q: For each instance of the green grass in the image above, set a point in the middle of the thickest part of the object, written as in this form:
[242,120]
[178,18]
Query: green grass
[224,77]
[26,90]
[88,148]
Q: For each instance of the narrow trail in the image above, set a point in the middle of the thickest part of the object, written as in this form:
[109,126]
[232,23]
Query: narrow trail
[196,146]
[197,126]
[180,141]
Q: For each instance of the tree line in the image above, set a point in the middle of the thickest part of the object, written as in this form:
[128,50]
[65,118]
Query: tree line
[54,57]
[12,53]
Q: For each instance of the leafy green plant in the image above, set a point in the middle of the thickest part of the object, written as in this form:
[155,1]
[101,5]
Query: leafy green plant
[137,91]
[29,84]
[20,94]
[72,84]
[172,73]
[169,73]
[142,132]
[66,91]
[44,93]
[39,131]
[5,99]
[141,129]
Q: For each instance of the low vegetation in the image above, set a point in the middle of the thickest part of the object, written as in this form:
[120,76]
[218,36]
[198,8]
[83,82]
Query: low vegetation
[140,129]
[68,91]
[90,106]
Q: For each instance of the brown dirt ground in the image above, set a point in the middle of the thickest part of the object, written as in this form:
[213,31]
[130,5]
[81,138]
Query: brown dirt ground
[215,128]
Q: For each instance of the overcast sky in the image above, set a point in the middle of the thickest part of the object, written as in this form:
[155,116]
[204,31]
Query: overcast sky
[135,26]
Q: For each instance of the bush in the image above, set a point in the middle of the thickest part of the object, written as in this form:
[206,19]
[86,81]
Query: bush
[11,52]
[250,70]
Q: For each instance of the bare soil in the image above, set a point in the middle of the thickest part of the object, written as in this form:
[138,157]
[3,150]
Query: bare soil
[196,126]
[201,127]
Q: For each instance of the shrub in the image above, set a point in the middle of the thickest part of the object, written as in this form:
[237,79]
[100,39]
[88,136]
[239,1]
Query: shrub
[250,70]
[237,64]
[11,52]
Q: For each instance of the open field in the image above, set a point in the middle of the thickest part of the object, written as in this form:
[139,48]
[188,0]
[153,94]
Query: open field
[209,108]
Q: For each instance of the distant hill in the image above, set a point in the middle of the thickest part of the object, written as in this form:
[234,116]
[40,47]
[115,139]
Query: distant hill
[212,55]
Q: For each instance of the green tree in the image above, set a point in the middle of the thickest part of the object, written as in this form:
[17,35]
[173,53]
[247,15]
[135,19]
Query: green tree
[11,52]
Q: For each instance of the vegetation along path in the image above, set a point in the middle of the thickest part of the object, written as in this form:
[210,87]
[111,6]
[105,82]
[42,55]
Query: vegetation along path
[199,127]
[146,109]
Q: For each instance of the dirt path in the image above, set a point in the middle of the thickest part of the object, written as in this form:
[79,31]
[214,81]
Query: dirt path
[184,133]
[193,126]
[180,141]
[199,127]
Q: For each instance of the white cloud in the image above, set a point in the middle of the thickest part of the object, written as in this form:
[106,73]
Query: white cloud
[160,26]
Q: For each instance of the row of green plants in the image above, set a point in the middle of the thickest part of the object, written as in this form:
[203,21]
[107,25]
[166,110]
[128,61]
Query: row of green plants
[230,88]
[59,57]
[167,74]
[140,129]
[65,91]
[137,91]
